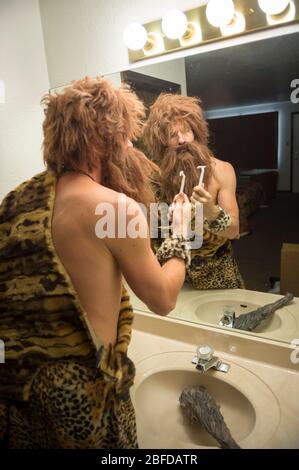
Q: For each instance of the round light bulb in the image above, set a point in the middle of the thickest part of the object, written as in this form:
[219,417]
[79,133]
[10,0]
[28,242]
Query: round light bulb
[273,7]
[135,36]
[194,35]
[286,17]
[237,26]
[174,24]
[155,44]
[220,12]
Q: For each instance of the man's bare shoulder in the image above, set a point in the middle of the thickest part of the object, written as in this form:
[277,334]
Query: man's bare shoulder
[97,200]
[220,166]
[94,194]
[79,201]
[222,170]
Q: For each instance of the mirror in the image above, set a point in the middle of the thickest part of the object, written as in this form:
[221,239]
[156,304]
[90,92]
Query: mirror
[250,96]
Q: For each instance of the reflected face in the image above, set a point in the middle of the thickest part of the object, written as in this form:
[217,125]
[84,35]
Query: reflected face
[179,134]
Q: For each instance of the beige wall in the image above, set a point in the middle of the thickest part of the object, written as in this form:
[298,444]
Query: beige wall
[173,71]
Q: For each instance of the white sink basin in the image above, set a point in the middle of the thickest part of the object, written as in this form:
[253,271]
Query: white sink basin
[208,308]
[248,406]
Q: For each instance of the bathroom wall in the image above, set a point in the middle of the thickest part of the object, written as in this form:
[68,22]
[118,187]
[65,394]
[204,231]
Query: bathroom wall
[284,132]
[23,68]
[84,37]
[173,71]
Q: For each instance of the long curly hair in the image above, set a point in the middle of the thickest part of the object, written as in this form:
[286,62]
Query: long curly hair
[88,125]
[167,111]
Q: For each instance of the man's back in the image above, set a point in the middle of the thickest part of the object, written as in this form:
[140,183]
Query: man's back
[91,266]
[40,319]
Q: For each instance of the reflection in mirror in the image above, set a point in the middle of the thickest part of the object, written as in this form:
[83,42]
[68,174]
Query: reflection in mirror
[250,99]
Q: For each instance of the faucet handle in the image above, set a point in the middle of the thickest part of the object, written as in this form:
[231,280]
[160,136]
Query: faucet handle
[205,352]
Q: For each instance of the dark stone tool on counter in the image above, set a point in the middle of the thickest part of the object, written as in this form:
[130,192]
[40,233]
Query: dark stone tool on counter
[249,321]
[200,407]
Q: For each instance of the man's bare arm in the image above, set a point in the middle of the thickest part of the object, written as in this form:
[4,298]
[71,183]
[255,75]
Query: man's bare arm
[158,287]
[226,199]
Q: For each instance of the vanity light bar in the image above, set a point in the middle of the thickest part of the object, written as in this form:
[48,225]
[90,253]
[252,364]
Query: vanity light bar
[214,21]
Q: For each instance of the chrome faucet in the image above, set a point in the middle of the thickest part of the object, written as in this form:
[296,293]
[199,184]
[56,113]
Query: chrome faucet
[205,360]
[228,318]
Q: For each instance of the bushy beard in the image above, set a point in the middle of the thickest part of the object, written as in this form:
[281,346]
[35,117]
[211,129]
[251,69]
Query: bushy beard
[183,158]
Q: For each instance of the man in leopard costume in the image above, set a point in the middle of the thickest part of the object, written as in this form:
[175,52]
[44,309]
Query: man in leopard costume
[176,138]
[65,316]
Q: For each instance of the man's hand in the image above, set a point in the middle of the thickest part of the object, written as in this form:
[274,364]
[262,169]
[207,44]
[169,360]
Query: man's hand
[179,198]
[200,195]
[179,215]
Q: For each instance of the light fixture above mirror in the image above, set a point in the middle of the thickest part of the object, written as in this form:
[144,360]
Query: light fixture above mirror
[214,21]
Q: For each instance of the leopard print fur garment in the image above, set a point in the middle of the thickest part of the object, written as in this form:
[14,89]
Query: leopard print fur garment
[212,266]
[219,271]
[56,389]
[71,407]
